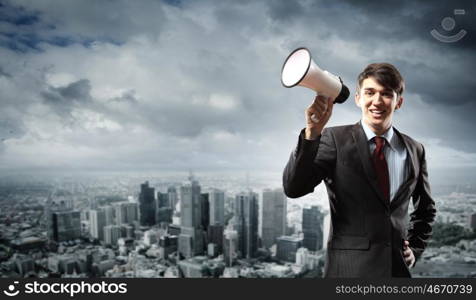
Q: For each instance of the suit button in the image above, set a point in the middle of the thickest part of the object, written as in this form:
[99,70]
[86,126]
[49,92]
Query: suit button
[387,214]
[387,244]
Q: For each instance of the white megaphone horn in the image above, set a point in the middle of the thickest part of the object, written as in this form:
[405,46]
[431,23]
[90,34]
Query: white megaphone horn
[300,69]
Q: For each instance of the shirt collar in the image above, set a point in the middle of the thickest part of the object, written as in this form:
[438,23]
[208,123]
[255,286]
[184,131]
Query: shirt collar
[389,135]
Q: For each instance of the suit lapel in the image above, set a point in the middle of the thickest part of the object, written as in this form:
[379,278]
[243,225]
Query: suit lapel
[411,163]
[360,140]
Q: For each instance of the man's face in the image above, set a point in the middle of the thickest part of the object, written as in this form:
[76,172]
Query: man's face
[377,104]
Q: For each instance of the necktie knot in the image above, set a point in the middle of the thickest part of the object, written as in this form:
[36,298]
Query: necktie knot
[379,142]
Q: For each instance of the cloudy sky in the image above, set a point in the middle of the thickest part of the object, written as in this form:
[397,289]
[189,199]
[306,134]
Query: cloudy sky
[174,85]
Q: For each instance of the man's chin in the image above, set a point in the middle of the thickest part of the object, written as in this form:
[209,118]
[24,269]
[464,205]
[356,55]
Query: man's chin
[377,124]
[380,122]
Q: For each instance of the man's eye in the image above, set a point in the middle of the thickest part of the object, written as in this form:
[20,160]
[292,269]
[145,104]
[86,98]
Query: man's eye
[369,93]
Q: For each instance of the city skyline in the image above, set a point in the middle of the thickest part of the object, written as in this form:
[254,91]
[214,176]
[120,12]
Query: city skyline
[71,222]
[233,247]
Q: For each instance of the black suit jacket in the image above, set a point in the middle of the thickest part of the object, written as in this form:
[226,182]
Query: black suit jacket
[367,233]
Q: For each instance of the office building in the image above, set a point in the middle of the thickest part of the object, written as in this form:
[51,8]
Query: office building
[162,200]
[205,210]
[217,207]
[112,233]
[230,245]
[110,214]
[164,215]
[312,223]
[215,236]
[65,226]
[126,213]
[287,246]
[173,197]
[97,221]
[191,241]
[472,221]
[274,216]
[147,206]
[246,222]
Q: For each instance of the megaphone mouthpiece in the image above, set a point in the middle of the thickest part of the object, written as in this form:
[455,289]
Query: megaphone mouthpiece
[343,94]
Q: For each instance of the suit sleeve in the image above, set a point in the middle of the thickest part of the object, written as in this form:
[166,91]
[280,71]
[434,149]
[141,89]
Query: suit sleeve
[309,163]
[423,216]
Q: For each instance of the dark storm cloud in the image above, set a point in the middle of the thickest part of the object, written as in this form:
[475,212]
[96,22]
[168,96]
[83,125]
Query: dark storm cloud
[62,23]
[63,99]
[285,10]
[379,21]
[21,30]
[10,128]
[128,97]
[16,15]
[4,73]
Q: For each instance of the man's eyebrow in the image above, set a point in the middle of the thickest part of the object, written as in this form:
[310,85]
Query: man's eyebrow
[386,90]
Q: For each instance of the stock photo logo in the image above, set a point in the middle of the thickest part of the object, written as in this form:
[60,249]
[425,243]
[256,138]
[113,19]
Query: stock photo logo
[11,291]
[448,24]
[70,289]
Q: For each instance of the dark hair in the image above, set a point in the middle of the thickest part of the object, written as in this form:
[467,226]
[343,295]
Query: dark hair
[385,74]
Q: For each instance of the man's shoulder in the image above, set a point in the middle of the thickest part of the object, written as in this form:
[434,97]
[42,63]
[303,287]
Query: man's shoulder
[411,141]
[339,130]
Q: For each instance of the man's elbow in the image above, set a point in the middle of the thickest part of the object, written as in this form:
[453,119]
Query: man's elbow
[294,192]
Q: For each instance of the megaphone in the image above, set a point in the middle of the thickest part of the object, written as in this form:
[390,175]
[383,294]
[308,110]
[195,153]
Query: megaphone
[300,69]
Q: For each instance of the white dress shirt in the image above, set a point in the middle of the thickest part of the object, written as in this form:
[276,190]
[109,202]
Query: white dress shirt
[395,154]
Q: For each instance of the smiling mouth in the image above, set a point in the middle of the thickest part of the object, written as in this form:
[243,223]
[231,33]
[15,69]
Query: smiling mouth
[377,113]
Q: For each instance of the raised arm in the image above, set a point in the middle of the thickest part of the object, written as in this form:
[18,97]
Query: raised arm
[315,154]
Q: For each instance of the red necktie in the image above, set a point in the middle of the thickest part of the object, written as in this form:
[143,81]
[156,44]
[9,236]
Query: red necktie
[381,167]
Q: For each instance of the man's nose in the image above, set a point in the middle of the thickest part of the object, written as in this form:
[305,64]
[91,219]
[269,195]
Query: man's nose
[377,98]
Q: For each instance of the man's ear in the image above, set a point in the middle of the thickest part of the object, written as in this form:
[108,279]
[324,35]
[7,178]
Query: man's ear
[357,98]
[399,102]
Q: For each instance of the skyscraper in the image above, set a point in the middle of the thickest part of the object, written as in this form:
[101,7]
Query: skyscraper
[164,215]
[163,200]
[56,202]
[65,226]
[190,208]
[191,238]
[147,207]
[215,236]
[472,221]
[173,197]
[126,212]
[110,214]
[205,210]
[287,246]
[112,233]
[230,245]
[274,216]
[217,207]
[97,221]
[246,217]
[312,222]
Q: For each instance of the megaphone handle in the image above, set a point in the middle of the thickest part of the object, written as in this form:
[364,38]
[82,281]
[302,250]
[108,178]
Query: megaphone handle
[313,116]
[314,119]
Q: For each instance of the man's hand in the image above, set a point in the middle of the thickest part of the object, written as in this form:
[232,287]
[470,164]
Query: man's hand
[408,254]
[317,116]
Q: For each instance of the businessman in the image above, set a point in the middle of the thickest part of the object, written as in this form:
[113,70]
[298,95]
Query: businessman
[371,171]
